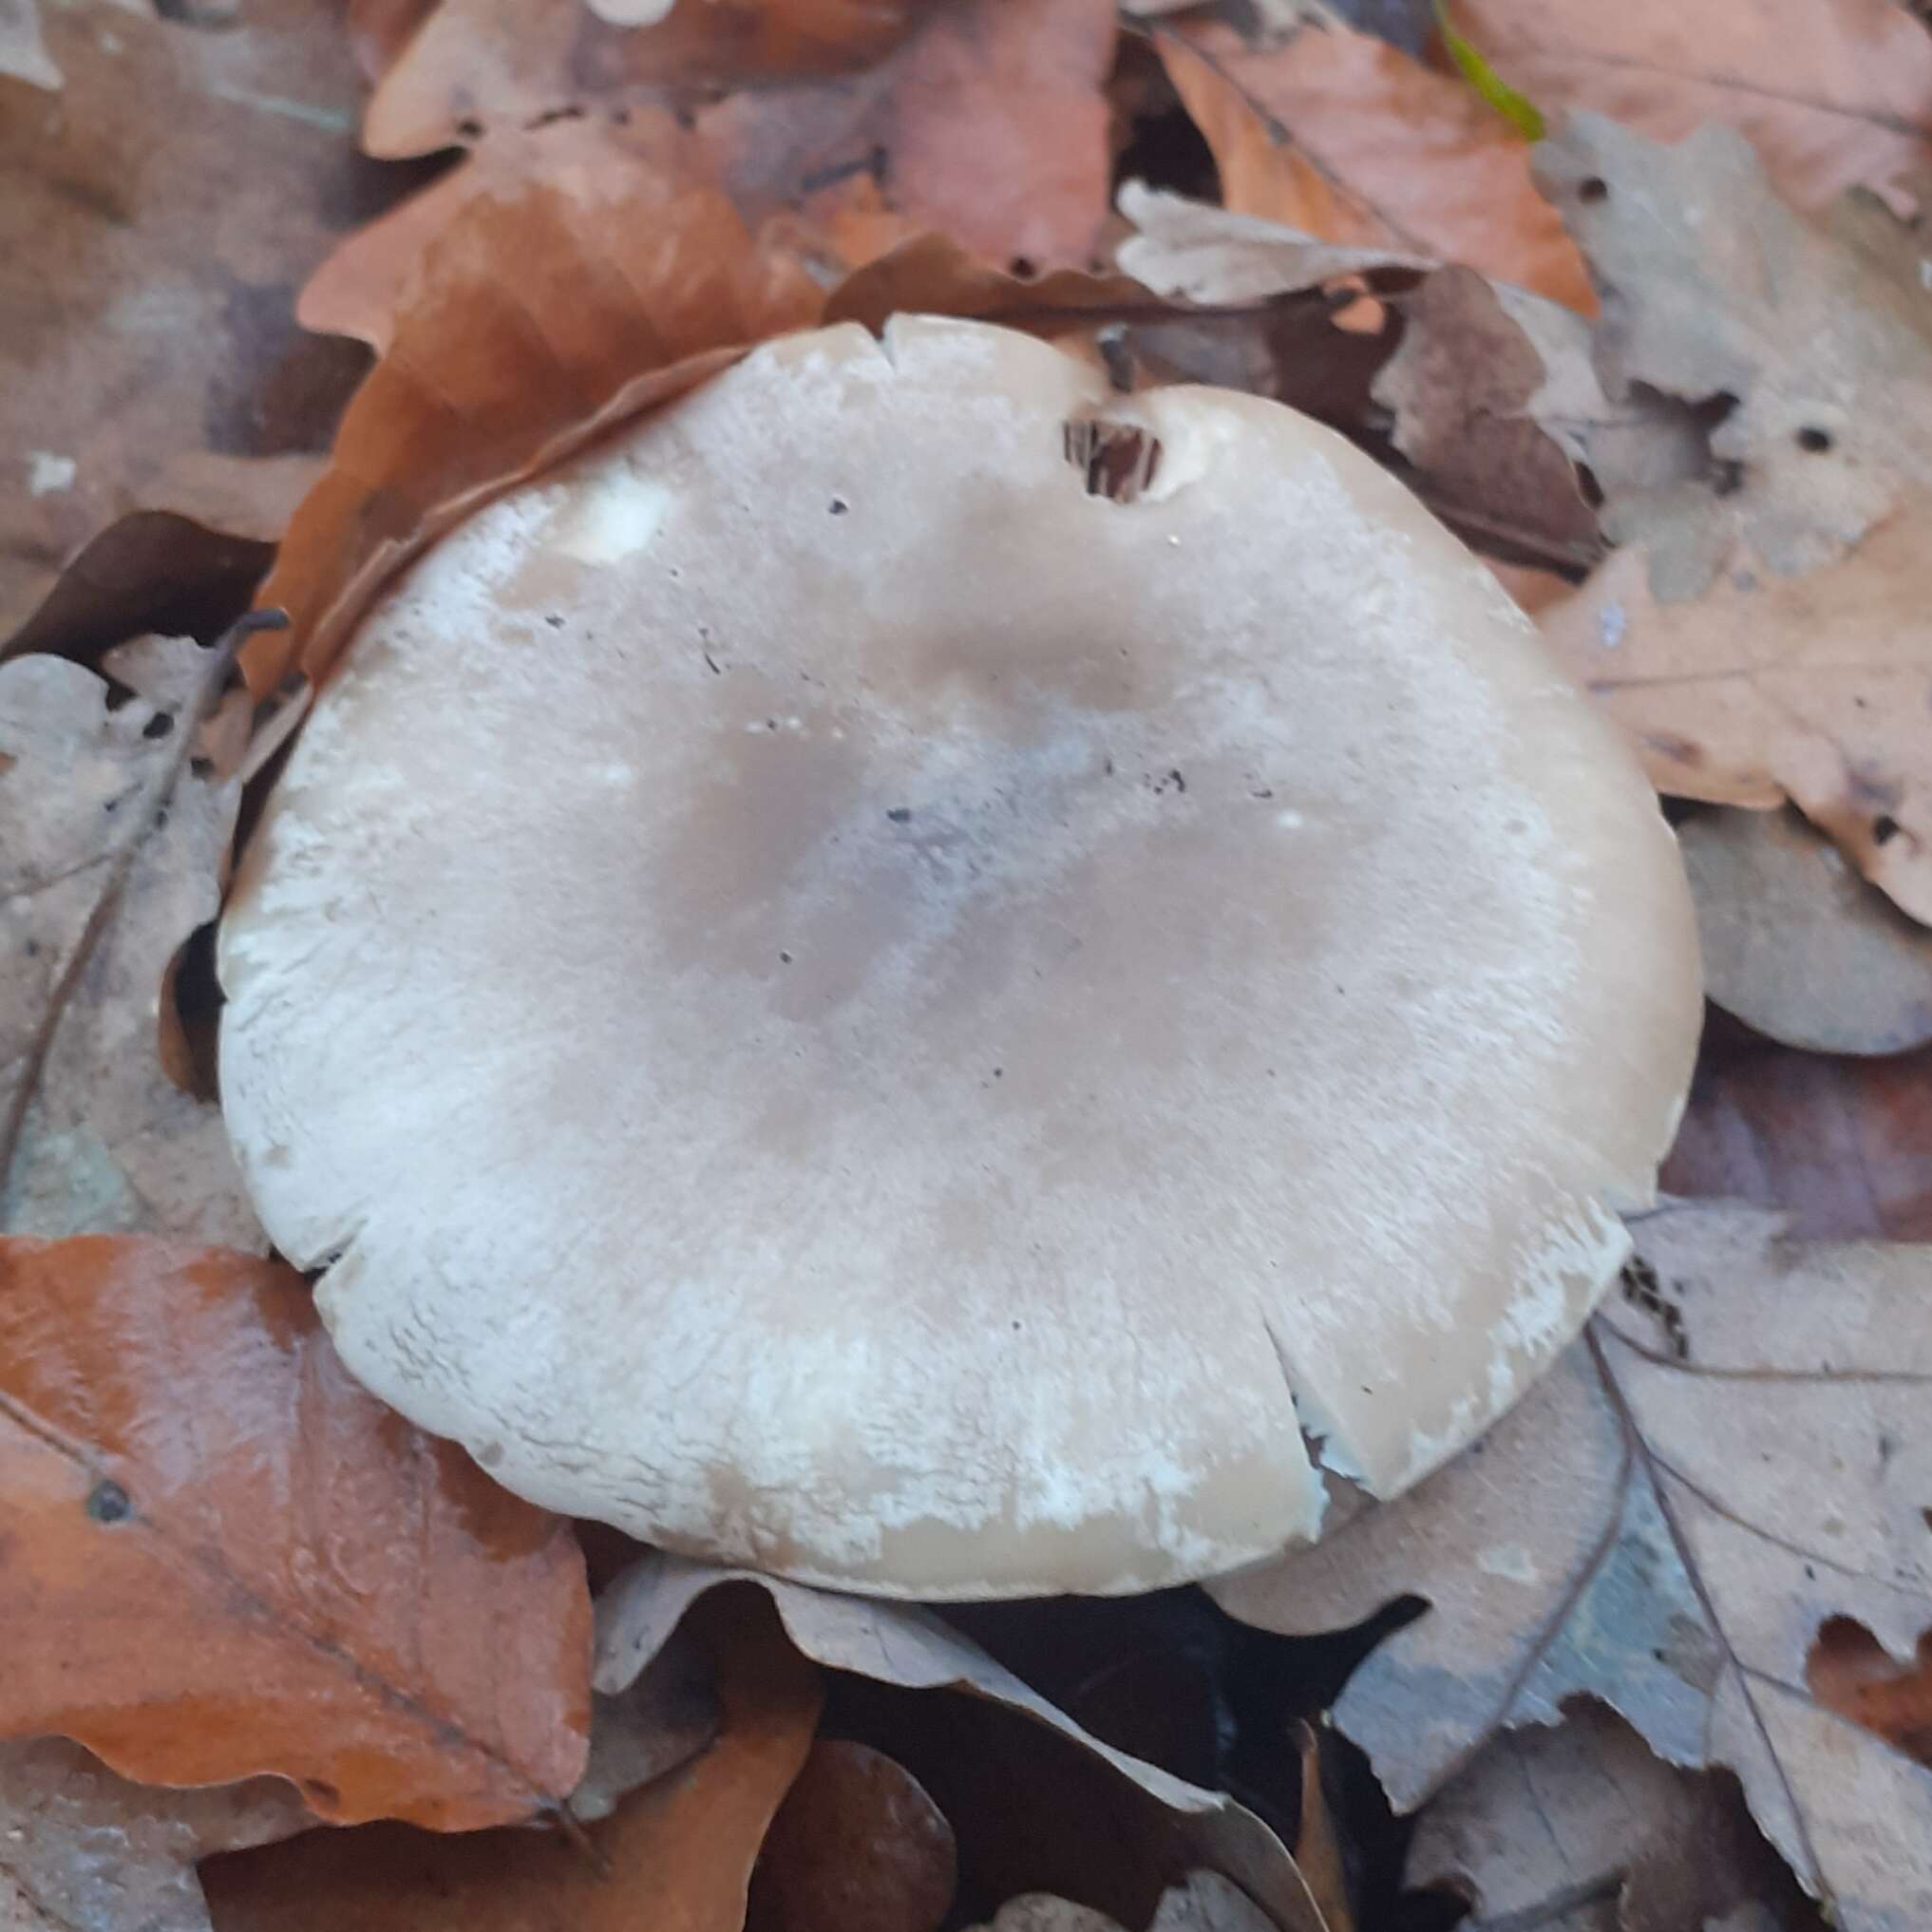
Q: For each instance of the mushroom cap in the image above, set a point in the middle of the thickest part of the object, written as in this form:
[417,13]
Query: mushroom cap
[829,997]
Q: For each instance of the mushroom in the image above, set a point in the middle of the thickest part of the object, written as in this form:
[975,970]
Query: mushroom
[936,980]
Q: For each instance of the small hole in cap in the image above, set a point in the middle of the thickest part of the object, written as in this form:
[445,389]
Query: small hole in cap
[107,1501]
[1593,188]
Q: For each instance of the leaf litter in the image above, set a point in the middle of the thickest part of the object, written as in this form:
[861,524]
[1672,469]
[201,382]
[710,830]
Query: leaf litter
[1547,440]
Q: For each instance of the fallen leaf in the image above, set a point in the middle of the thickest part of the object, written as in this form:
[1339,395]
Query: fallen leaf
[23,47]
[857,1846]
[676,1855]
[1487,393]
[1798,353]
[1206,1902]
[112,849]
[82,1851]
[1796,945]
[1735,1452]
[1341,135]
[662,1720]
[1843,1147]
[1767,687]
[980,118]
[1850,1671]
[1832,97]
[1581,1827]
[225,1559]
[1173,1827]
[161,211]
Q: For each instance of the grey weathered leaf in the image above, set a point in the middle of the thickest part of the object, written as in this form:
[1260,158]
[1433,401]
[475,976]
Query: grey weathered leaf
[112,847]
[1739,1450]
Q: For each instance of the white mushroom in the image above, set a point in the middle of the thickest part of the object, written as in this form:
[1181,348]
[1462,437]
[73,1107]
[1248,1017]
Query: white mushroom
[830,996]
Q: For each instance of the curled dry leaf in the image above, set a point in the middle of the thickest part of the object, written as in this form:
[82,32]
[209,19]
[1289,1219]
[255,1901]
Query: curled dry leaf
[112,848]
[857,1846]
[223,1558]
[83,1849]
[1343,136]
[1832,97]
[1735,1452]
[1581,1827]
[1796,945]
[981,118]
[677,1854]
[150,357]
[1175,1826]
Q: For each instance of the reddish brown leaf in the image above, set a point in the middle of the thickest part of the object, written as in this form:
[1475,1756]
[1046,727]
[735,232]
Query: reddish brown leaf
[1346,137]
[857,1846]
[673,1857]
[159,213]
[223,1558]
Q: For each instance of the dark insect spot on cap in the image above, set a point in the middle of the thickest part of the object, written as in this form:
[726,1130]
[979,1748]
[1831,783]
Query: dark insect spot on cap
[1593,188]
[784,958]
[158,725]
[1884,828]
[107,1501]
[1814,439]
[838,506]
[901,815]
[554,621]
[470,129]
[1024,266]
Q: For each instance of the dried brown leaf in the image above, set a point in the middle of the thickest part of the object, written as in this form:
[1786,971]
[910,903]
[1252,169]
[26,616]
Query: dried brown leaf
[112,848]
[1735,1453]
[223,1558]
[1318,1848]
[159,213]
[1832,97]
[677,1854]
[981,118]
[1796,945]
[83,1849]
[857,1846]
[1171,1826]
[1765,688]
[1583,1828]
[1850,1671]
[1345,137]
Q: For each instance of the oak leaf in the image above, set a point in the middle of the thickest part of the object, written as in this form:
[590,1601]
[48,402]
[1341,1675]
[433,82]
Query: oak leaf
[112,848]
[159,213]
[83,1849]
[982,119]
[1735,1453]
[1342,136]
[225,1559]
[1832,97]
[677,1853]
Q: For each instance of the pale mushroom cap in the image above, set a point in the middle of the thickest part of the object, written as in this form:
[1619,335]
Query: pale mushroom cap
[842,1004]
